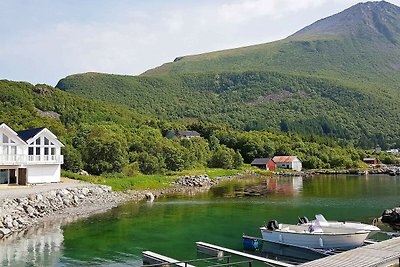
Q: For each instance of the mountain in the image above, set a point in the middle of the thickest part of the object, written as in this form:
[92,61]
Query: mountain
[339,77]
[360,43]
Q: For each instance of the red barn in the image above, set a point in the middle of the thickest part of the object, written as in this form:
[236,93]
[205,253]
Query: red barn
[264,163]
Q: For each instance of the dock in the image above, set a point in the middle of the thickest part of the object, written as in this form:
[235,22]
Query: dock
[383,253]
[153,258]
[211,249]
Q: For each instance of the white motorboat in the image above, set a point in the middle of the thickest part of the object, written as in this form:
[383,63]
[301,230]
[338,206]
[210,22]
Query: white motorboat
[314,236]
[321,221]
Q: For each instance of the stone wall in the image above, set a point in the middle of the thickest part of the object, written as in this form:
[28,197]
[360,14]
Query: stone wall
[19,213]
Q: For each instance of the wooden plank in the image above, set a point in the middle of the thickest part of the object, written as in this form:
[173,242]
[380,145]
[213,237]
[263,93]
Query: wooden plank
[206,246]
[150,257]
[380,254]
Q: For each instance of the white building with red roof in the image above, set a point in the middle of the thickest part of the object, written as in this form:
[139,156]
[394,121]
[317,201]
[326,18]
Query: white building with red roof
[288,162]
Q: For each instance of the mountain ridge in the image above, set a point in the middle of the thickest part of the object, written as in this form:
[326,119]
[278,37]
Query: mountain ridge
[342,85]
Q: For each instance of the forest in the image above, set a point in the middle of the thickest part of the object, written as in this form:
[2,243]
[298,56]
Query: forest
[109,139]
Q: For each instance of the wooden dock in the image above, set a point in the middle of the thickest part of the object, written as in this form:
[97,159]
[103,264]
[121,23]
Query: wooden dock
[153,258]
[211,249]
[385,253]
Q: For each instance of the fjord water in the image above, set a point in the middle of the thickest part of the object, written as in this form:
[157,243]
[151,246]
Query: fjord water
[171,225]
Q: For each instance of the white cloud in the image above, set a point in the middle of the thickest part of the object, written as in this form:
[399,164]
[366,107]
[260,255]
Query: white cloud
[243,10]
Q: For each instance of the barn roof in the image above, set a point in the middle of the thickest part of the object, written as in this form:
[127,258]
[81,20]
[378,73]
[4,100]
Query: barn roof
[260,161]
[284,159]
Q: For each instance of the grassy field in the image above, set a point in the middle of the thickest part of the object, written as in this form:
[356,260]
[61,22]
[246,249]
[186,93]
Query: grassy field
[121,183]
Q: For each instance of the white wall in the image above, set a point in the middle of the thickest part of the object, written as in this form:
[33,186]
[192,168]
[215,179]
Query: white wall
[296,165]
[43,173]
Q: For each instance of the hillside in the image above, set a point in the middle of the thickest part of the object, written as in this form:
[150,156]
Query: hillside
[116,142]
[337,77]
[359,44]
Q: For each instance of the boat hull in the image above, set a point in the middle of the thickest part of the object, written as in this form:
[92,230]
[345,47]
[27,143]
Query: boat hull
[342,241]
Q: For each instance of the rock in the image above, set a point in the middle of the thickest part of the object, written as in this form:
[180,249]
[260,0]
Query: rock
[30,210]
[15,224]
[150,197]
[66,202]
[8,222]
[4,231]
[83,172]
[85,191]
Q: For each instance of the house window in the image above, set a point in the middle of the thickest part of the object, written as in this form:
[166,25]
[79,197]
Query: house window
[53,151]
[5,139]
[38,141]
[46,151]
[4,176]
[46,141]
[37,151]
[30,151]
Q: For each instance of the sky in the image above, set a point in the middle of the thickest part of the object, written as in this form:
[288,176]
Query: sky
[43,41]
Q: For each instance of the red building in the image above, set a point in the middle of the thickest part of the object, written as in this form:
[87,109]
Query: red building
[264,163]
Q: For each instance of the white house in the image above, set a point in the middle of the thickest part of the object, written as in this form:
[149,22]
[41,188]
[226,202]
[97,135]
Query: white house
[29,157]
[288,162]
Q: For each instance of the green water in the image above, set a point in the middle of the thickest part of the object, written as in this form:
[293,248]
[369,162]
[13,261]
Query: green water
[171,225]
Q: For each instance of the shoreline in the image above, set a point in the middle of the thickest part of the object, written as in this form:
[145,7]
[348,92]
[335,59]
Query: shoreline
[70,200]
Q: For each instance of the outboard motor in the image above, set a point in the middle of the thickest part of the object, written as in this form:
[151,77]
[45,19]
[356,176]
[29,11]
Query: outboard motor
[272,225]
[391,216]
[303,220]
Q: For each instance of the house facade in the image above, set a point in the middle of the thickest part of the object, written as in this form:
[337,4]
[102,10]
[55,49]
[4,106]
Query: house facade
[29,157]
[288,162]
[264,163]
[370,160]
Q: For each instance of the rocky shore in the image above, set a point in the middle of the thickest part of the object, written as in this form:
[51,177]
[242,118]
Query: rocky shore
[19,213]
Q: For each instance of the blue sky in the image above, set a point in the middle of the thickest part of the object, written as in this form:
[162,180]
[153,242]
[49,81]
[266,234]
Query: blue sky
[43,41]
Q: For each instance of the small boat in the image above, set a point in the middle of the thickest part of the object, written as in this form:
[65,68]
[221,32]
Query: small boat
[314,236]
[320,220]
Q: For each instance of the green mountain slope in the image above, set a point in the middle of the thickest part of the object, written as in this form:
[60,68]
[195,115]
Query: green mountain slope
[336,77]
[115,141]
[359,44]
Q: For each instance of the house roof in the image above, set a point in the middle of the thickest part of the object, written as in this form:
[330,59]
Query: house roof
[188,133]
[28,134]
[260,161]
[282,159]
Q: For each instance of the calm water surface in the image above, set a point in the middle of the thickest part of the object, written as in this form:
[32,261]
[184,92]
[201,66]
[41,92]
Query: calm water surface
[172,225]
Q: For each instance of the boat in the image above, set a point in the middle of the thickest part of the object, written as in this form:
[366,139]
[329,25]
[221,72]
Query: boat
[314,236]
[320,220]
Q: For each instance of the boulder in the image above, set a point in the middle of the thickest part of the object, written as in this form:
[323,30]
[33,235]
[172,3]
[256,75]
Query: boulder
[4,231]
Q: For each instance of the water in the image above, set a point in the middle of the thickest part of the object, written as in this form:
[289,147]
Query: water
[172,225]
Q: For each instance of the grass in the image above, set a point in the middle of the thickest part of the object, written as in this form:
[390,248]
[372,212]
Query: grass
[120,182]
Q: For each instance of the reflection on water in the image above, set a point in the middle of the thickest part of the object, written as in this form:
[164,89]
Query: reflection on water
[171,225]
[34,247]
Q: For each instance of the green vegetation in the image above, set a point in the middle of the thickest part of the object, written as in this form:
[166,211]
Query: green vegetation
[254,101]
[119,145]
[121,183]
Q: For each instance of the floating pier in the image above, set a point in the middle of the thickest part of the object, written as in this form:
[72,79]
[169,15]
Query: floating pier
[381,254]
[385,253]
[210,249]
[153,258]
